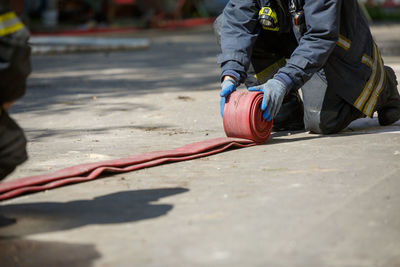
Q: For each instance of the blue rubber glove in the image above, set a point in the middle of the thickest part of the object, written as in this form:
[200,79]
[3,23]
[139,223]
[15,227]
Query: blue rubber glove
[228,87]
[274,92]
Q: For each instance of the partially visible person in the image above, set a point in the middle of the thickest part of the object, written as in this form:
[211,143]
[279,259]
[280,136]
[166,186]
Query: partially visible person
[324,47]
[14,69]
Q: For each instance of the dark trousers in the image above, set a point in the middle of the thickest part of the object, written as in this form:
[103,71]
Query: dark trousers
[324,111]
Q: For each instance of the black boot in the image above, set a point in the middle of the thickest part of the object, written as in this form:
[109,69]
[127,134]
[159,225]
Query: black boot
[290,116]
[388,105]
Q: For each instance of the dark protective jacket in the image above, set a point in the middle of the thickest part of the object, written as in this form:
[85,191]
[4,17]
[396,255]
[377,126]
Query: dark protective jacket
[335,41]
[14,55]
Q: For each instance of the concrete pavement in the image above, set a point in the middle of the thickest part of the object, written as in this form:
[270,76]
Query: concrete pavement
[73,44]
[300,200]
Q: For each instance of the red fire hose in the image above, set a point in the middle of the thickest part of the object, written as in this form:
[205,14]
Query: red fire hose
[243,124]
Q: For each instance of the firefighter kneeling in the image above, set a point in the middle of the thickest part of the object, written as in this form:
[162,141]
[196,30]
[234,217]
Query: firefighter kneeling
[324,48]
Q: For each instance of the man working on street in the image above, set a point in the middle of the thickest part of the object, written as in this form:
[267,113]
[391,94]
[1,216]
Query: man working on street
[324,47]
[14,69]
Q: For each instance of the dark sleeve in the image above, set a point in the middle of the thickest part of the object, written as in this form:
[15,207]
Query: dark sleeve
[14,58]
[315,46]
[239,30]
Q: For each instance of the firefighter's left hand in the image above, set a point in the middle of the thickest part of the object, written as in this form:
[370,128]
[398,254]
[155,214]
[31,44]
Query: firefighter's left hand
[274,92]
[228,86]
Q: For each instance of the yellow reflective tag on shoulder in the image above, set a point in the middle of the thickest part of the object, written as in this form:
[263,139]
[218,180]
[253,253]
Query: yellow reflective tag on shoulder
[9,23]
[265,11]
[269,14]
[7,16]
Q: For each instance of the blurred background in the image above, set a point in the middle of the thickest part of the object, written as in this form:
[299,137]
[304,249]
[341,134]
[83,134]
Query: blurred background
[58,15]
[45,15]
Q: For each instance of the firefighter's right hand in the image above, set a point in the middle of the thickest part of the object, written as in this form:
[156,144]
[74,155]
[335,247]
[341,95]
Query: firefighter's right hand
[228,86]
[274,92]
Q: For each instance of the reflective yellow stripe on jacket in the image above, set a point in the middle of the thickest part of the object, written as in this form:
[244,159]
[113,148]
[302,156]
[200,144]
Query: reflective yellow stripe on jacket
[367,100]
[9,23]
[270,70]
[343,42]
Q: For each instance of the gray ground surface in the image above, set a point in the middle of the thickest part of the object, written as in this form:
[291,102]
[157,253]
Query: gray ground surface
[53,45]
[300,200]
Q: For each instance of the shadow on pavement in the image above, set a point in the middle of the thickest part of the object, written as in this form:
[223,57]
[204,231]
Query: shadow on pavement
[121,207]
[21,252]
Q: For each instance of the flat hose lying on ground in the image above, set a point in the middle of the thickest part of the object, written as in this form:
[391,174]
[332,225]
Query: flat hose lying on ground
[243,125]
